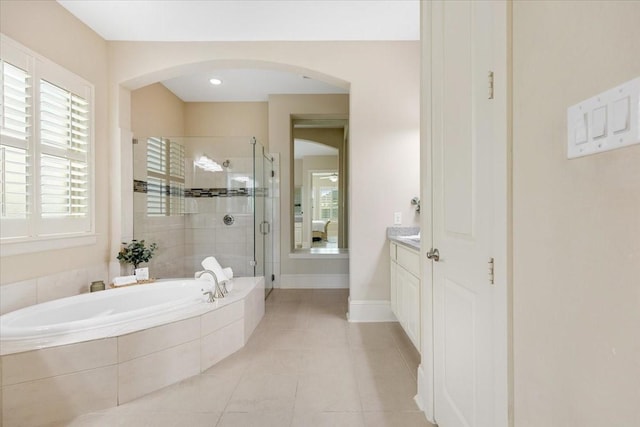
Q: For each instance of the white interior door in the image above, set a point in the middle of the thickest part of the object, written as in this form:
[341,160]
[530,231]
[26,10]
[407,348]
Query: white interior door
[468,131]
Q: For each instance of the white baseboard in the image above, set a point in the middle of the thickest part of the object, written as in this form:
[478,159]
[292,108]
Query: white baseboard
[424,398]
[370,311]
[314,281]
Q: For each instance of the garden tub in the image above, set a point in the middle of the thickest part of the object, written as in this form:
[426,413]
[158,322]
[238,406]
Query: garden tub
[93,351]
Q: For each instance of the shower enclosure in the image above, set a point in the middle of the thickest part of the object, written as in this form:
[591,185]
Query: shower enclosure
[205,196]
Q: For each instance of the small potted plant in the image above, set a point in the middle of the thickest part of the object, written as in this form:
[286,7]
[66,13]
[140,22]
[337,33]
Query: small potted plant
[136,253]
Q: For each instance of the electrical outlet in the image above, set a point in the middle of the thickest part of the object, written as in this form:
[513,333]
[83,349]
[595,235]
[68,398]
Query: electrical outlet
[397,218]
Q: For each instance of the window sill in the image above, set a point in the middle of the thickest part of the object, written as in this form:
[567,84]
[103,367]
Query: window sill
[8,248]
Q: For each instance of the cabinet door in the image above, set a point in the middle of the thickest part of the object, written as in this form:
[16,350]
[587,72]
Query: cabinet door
[412,308]
[401,278]
[394,287]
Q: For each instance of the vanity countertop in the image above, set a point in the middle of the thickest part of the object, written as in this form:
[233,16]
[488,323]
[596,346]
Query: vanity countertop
[406,236]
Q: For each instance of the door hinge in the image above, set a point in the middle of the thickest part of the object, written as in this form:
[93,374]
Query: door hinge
[134,141]
[491,271]
[490,84]
[273,277]
[273,174]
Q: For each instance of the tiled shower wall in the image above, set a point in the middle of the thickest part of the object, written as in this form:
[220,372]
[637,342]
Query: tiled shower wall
[185,240]
[167,232]
[206,234]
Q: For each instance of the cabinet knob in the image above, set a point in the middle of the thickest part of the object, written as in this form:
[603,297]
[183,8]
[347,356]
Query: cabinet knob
[433,254]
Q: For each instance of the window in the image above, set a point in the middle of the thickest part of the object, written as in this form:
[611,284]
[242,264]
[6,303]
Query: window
[165,177]
[46,141]
[328,203]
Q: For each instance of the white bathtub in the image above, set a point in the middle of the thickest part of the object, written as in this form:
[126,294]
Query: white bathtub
[111,347]
[109,313]
[100,309]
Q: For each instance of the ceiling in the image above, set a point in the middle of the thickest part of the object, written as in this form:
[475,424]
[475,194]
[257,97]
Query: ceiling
[245,85]
[248,20]
[305,148]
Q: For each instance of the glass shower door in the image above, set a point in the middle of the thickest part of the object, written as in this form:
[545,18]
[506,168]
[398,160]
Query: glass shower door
[263,216]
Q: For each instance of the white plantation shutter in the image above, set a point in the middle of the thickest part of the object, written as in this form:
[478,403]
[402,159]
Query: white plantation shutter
[156,197]
[176,199]
[15,138]
[64,119]
[176,160]
[156,155]
[46,116]
[16,98]
[63,185]
[156,176]
[13,180]
[64,139]
[165,177]
[176,178]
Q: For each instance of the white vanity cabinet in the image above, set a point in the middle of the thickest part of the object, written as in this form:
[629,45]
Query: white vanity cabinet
[405,289]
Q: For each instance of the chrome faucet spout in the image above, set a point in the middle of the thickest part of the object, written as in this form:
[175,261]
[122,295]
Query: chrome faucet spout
[217,292]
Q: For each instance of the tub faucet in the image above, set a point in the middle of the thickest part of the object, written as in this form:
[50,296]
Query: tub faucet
[217,292]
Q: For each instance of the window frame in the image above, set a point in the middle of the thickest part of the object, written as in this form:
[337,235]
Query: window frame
[40,233]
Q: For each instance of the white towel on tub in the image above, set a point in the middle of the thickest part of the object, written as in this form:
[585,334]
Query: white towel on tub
[211,264]
[227,272]
[124,280]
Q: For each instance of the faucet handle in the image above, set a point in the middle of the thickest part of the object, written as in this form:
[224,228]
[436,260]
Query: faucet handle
[210,295]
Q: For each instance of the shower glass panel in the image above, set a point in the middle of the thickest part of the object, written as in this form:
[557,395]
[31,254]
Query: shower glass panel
[197,197]
[264,206]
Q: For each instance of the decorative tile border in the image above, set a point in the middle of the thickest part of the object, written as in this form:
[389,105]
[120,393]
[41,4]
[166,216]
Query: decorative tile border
[217,192]
[145,187]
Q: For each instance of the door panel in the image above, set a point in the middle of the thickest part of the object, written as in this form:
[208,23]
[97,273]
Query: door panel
[457,85]
[464,132]
[459,313]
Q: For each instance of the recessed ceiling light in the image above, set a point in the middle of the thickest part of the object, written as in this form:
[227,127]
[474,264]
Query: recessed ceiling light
[215,81]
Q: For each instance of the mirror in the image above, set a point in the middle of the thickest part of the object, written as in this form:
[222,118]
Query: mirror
[319,208]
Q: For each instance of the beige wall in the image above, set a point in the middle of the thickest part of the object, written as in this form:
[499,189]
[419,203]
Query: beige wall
[66,41]
[384,128]
[576,236]
[332,137]
[228,119]
[156,111]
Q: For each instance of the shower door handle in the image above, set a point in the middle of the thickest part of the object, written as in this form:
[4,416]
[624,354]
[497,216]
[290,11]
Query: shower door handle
[265,227]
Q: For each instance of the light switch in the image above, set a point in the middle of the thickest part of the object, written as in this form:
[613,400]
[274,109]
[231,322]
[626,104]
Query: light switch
[620,115]
[606,121]
[599,122]
[581,130]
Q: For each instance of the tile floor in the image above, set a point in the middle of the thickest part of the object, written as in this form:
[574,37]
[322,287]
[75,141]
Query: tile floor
[304,366]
